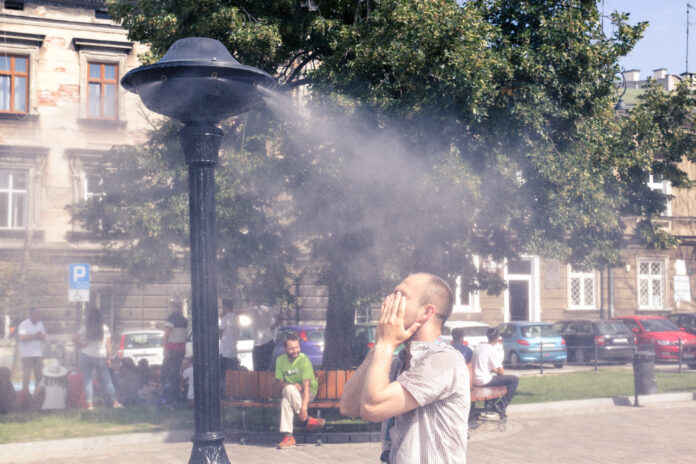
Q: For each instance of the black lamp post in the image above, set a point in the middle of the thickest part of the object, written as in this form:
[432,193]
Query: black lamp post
[199,83]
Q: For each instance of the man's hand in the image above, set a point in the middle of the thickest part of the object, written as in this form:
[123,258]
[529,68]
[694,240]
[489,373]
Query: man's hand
[390,330]
[303,414]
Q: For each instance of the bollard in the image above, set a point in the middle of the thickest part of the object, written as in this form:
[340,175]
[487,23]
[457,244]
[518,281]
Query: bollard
[596,355]
[679,354]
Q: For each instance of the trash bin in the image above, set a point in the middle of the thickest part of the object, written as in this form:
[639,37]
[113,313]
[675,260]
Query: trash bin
[644,373]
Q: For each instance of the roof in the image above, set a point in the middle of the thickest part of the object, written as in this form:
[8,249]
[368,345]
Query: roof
[74,3]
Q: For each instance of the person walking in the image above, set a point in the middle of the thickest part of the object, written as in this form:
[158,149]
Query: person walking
[175,328]
[94,339]
[265,322]
[424,399]
[31,337]
[488,371]
[294,370]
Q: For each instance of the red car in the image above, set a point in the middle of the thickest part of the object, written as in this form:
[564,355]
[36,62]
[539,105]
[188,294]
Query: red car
[660,333]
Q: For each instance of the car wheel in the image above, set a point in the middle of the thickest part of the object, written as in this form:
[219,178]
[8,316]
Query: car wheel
[514,359]
[692,366]
[558,365]
[580,356]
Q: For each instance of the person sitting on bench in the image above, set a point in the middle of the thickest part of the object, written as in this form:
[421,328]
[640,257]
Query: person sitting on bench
[489,372]
[296,373]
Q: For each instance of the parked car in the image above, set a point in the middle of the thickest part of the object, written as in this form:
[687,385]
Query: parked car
[311,341]
[142,344]
[524,343]
[474,334]
[686,321]
[363,341]
[612,339]
[658,333]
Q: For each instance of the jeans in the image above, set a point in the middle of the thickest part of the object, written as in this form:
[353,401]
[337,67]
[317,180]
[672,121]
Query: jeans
[261,356]
[171,376]
[508,381]
[29,364]
[91,367]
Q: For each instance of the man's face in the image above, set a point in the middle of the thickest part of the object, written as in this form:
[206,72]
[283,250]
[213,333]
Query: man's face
[35,316]
[411,289]
[292,348]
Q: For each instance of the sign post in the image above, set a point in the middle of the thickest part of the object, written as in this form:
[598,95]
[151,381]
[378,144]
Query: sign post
[78,282]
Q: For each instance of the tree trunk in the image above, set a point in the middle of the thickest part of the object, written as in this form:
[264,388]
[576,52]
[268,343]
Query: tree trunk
[340,316]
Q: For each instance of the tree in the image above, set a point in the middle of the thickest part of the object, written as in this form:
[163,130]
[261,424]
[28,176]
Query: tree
[504,110]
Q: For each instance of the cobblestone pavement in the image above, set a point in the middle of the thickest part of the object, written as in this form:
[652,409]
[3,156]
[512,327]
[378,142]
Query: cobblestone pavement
[659,434]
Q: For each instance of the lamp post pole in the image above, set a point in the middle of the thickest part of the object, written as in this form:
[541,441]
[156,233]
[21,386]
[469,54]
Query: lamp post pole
[201,143]
[199,83]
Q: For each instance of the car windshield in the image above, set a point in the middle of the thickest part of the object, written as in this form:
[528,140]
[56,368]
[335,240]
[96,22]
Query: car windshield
[610,328]
[531,331]
[144,340]
[659,325]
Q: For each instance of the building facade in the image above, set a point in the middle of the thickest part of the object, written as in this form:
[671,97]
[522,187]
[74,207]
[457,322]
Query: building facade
[61,111]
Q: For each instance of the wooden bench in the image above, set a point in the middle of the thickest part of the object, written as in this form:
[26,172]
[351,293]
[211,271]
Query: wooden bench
[259,389]
[485,394]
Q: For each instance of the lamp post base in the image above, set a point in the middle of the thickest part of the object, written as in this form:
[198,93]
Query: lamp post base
[208,451]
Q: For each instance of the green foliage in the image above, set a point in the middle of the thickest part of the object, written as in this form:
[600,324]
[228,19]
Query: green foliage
[20,290]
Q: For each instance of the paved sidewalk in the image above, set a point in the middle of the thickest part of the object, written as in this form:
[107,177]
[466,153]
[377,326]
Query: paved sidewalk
[656,433]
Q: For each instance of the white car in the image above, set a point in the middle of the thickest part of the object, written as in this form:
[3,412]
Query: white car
[474,334]
[142,344]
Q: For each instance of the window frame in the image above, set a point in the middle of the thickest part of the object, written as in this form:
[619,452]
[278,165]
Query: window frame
[103,82]
[582,275]
[12,73]
[665,187]
[24,45]
[474,305]
[11,193]
[663,279]
[32,161]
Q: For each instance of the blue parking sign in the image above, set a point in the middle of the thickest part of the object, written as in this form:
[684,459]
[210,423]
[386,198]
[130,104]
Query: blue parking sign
[78,282]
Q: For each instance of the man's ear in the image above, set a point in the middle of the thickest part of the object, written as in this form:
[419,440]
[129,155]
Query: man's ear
[428,312]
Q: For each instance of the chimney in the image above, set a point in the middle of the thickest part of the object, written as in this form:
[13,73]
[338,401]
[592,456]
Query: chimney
[660,73]
[632,75]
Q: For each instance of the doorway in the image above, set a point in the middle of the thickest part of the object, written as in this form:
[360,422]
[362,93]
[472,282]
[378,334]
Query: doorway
[521,296]
[519,300]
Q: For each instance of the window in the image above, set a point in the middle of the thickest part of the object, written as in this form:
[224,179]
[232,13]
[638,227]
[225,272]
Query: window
[13,199]
[582,289]
[658,184]
[102,97]
[14,84]
[466,299]
[94,186]
[651,285]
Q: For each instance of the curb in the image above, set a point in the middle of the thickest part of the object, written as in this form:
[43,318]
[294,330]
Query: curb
[15,451]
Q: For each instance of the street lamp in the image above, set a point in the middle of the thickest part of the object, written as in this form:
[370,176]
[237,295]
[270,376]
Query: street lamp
[199,83]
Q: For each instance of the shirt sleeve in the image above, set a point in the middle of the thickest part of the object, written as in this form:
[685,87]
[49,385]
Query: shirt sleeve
[433,377]
[278,370]
[22,330]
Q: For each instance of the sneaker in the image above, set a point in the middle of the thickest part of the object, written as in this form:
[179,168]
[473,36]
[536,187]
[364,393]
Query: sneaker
[487,415]
[314,423]
[288,442]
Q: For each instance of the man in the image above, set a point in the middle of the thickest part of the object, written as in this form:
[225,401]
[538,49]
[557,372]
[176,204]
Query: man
[488,371]
[295,372]
[458,344]
[426,396]
[265,323]
[175,328]
[31,337]
[229,334]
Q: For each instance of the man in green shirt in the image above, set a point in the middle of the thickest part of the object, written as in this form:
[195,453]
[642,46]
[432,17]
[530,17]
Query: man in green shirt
[295,372]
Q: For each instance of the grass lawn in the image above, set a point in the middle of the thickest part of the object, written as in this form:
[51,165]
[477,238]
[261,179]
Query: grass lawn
[606,383]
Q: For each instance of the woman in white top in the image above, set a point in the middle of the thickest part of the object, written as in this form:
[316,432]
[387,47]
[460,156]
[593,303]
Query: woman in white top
[95,340]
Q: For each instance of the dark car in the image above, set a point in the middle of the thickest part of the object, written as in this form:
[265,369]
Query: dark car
[311,342]
[612,340]
[686,321]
